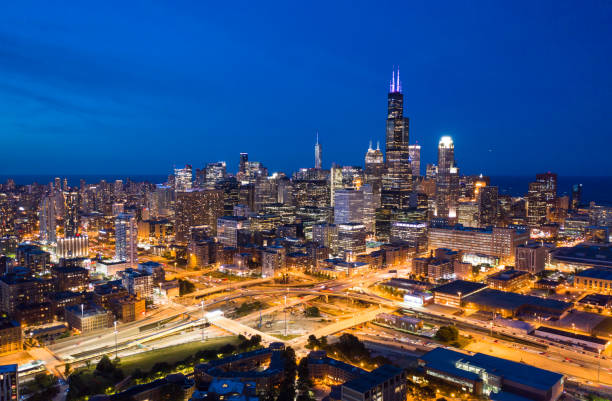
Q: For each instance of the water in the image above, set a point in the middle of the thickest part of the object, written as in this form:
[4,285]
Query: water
[598,189]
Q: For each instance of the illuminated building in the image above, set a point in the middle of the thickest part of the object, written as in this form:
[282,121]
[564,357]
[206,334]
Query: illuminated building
[355,206]
[47,222]
[325,234]
[492,377]
[86,318]
[183,178]
[160,201]
[314,193]
[447,180]
[215,172]
[71,214]
[541,197]
[73,247]
[71,278]
[9,383]
[228,228]
[467,213]
[412,232]
[318,154]
[197,208]
[33,257]
[374,168]
[397,179]
[128,309]
[508,280]
[496,241]
[10,336]
[487,206]
[415,159]
[531,258]
[126,239]
[272,260]
[351,239]
[576,196]
[22,288]
[139,283]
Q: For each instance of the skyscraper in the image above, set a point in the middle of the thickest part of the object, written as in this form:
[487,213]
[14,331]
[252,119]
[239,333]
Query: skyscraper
[183,178]
[197,208]
[374,168]
[47,221]
[576,196]
[126,238]
[397,180]
[415,159]
[447,179]
[488,206]
[318,156]
[71,214]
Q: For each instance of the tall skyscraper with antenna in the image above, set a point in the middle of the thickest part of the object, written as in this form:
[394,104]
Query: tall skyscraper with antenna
[397,179]
[318,154]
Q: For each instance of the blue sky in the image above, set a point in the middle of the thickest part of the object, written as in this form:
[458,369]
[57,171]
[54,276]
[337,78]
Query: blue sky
[137,87]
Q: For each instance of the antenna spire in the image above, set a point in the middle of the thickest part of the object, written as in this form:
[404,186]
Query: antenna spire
[398,87]
[370,147]
[377,145]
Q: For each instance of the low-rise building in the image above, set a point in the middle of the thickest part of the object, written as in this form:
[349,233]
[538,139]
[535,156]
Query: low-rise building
[455,292]
[71,278]
[508,280]
[595,279]
[86,318]
[484,375]
[10,335]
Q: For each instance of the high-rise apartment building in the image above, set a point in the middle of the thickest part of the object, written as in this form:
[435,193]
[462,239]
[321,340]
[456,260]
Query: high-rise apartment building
[488,206]
[71,214]
[397,180]
[447,180]
[47,222]
[126,238]
[215,172]
[197,208]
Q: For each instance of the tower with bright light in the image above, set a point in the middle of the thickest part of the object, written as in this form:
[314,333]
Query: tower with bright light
[397,180]
[318,154]
[447,179]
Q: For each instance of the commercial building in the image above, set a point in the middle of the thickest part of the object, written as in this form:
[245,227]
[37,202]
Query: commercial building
[415,159]
[138,283]
[510,304]
[595,279]
[351,239]
[47,221]
[183,178]
[129,308]
[22,288]
[497,241]
[455,292]
[228,228]
[397,178]
[71,214]
[447,180]
[591,343]
[412,232]
[33,257]
[9,383]
[497,378]
[86,318]
[582,256]
[355,206]
[401,322]
[508,280]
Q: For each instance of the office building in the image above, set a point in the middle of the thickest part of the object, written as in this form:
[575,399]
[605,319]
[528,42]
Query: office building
[215,172]
[415,159]
[576,196]
[488,206]
[492,377]
[412,232]
[355,206]
[228,228]
[126,239]
[351,239]
[47,222]
[397,178]
[33,258]
[183,178]
[318,154]
[87,318]
[374,169]
[138,283]
[447,180]
[531,258]
[22,288]
[509,280]
[9,383]
[496,241]
[197,208]
[70,278]
[468,212]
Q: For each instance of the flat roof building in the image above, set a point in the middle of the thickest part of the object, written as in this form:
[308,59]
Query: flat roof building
[454,293]
[485,375]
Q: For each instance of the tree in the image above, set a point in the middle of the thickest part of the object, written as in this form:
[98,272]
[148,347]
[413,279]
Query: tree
[287,387]
[447,334]
[304,384]
[67,369]
[105,367]
[185,287]
[312,311]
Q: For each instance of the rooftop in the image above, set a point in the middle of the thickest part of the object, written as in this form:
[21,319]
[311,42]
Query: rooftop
[445,360]
[506,275]
[598,255]
[597,273]
[513,301]
[569,334]
[462,287]
[367,380]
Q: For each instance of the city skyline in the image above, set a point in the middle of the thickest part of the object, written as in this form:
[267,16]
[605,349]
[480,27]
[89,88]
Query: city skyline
[116,95]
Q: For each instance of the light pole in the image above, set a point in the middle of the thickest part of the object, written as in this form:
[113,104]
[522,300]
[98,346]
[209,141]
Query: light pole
[115,324]
[598,365]
[285,316]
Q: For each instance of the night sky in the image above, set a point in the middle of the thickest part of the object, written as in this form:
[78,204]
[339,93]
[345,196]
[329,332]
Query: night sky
[135,87]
